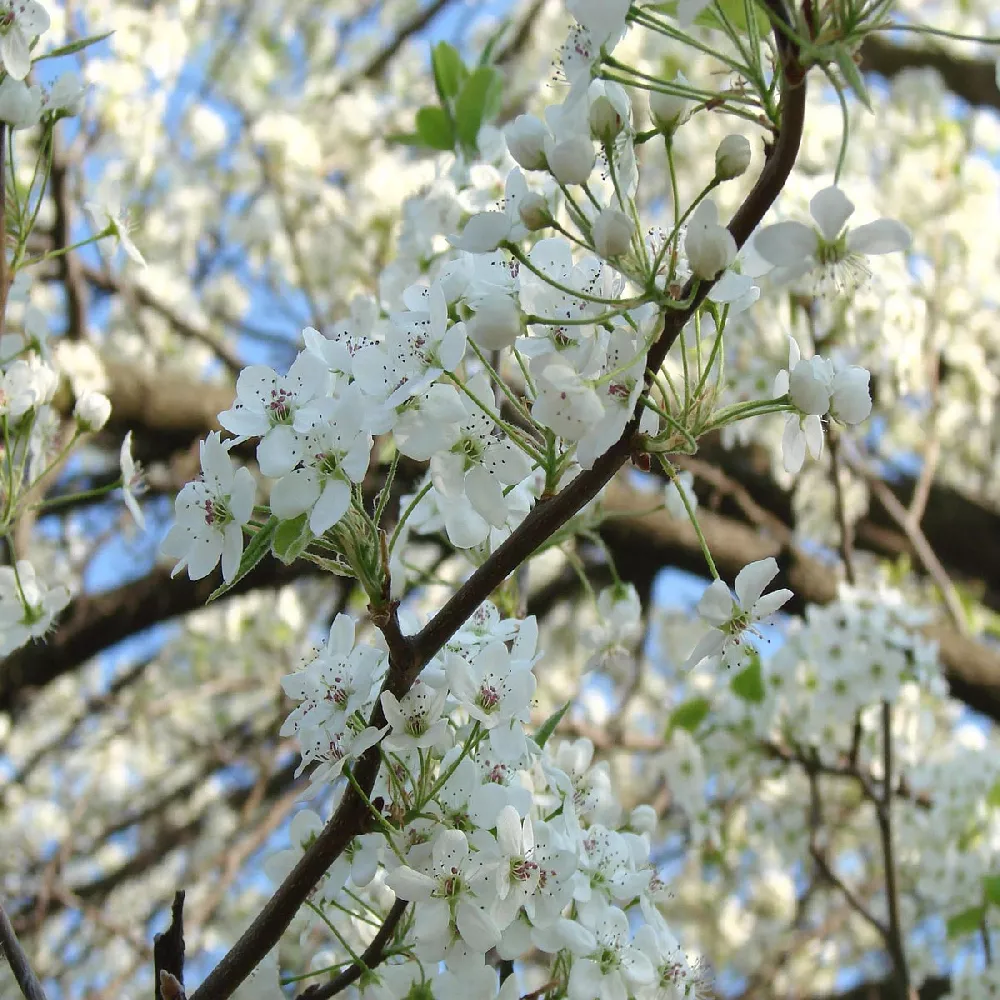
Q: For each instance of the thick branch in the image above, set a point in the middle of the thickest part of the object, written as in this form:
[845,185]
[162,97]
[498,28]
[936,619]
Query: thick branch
[973,80]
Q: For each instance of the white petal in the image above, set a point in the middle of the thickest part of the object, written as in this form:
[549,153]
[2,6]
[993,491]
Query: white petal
[716,604]
[752,579]
[831,209]
[483,233]
[330,507]
[786,243]
[881,236]
[295,493]
[793,445]
[814,435]
[770,603]
[232,550]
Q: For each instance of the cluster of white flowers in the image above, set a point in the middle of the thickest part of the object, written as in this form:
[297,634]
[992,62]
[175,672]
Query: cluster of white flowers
[497,841]
[35,441]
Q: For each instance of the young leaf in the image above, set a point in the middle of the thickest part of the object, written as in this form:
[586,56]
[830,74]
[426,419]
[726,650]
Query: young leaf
[255,550]
[477,102]
[548,727]
[689,714]
[449,70]
[852,75]
[291,539]
[78,46]
[966,922]
[434,128]
[748,684]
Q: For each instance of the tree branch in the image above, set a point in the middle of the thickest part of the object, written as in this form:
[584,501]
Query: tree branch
[371,957]
[31,988]
[352,816]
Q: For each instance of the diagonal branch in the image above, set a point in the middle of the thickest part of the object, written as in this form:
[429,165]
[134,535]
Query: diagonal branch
[24,976]
[352,816]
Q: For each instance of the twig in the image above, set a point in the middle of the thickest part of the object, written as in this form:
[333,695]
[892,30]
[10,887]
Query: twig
[371,957]
[819,856]
[922,547]
[894,940]
[24,976]
[168,949]
[352,817]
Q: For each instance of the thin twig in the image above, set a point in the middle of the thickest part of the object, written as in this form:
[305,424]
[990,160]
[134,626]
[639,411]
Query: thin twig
[897,948]
[846,531]
[24,976]
[371,957]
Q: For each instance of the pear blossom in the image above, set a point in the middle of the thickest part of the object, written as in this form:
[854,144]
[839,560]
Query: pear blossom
[609,965]
[210,515]
[20,105]
[21,22]
[109,217]
[266,406]
[446,897]
[838,252]
[132,481]
[415,720]
[732,618]
[336,452]
[28,606]
[669,110]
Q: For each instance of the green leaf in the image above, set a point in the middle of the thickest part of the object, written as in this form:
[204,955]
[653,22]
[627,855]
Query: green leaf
[748,684]
[291,539]
[449,70]
[478,101]
[735,11]
[689,714]
[434,128]
[991,889]
[966,922]
[78,46]
[548,727]
[852,75]
[256,549]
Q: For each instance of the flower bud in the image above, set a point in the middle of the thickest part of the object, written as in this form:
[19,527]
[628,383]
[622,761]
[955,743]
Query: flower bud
[667,110]
[710,248]
[732,157]
[534,211]
[852,401]
[605,122]
[809,386]
[612,232]
[496,322]
[526,137]
[571,160]
[92,411]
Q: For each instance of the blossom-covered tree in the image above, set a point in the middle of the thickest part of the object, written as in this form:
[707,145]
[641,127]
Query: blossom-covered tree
[517,519]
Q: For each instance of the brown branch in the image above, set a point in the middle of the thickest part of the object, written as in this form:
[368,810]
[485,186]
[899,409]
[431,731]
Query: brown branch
[168,947]
[24,976]
[68,264]
[883,812]
[352,816]
[973,80]
[370,958]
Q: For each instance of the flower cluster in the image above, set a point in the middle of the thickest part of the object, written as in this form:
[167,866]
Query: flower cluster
[498,840]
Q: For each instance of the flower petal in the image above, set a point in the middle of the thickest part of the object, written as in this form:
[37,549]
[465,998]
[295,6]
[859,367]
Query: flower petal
[881,236]
[786,243]
[831,209]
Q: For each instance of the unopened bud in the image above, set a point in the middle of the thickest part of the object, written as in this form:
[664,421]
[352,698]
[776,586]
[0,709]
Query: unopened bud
[612,232]
[605,122]
[668,110]
[571,160]
[534,211]
[92,411]
[732,157]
